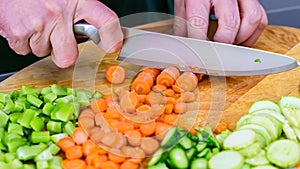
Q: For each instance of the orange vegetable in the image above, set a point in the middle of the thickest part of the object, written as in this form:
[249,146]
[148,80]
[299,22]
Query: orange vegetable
[87,146]
[99,160]
[129,101]
[148,129]
[159,88]
[116,158]
[177,89]
[74,152]
[113,111]
[180,107]
[172,71]
[169,108]
[188,97]
[65,143]
[134,137]
[79,135]
[199,76]
[169,93]
[152,71]
[154,98]
[74,164]
[187,81]
[110,165]
[86,123]
[149,145]
[115,74]
[171,119]
[89,113]
[144,81]
[220,127]
[98,105]
[168,76]
[144,109]
[128,164]
[123,126]
[90,167]
[161,129]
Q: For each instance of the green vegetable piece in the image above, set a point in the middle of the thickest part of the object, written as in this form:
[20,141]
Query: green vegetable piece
[15,128]
[199,163]
[40,137]
[70,91]
[257,60]
[201,146]
[28,166]
[158,166]
[16,163]
[156,157]
[54,127]
[191,153]
[3,119]
[42,164]
[98,95]
[55,162]
[47,109]
[27,90]
[11,136]
[83,97]
[34,100]
[8,157]
[14,117]
[3,97]
[178,158]
[62,112]
[56,137]
[50,97]
[229,159]
[37,124]
[66,99]
[14,144]
[186,142]
[69,128]
[46,90]
[48,153]
[4,165]
[170,138]
[29,152]
[27,117]
[58,90]
[9,106]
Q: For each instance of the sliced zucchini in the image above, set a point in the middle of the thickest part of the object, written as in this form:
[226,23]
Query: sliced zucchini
[264,104]
[260,131]
[156,157]
[240,139]
[251,150]
[186,142]
[191,153]
[265,167]
[201,146]
[277,115]
[289,101]
[284,153]
[159,166]
[178,158]
[204,153]
[289,132]
[297,132]
[259,159]
[170,138]
[228,159]
[199,163]
[292,115]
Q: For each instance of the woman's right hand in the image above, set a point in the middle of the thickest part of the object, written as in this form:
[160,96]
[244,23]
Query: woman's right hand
[42,26]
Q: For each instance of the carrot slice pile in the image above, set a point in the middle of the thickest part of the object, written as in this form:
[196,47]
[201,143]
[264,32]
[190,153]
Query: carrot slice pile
[115,74]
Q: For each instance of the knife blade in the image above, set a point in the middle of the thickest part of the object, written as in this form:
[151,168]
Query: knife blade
[199,56]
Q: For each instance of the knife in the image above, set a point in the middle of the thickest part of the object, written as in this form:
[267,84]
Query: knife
[199,56]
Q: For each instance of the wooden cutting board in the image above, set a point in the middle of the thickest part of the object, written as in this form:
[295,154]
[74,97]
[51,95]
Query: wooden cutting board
[225,99]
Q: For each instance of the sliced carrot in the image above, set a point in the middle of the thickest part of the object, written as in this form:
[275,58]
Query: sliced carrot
[170,100]
[99,150]
[89,157]
[193,131]
[171,119]
[88,146]
[116,158]
[199,76]
[109,139]
[187,81]
[89,113]
[129,101]
[113,111]
[161,129]
[165,79]
[177,89]
[159,88]
[79,135]
[65,143]
[149,145]
[74,152]
[143,83]
[121,90]
[188,97]
[144,109]
[90,167]
[74,164]
[154,98]
[141,97]
[153,71]
[137,152]
[220,127]
[128,164]
[172,71]
[134,137]
[86,123]
[110,165]
[123,126]
[99,160]
[169,108]
[98,105]
[180,107]
[148,129]
[169,92]
[115,74]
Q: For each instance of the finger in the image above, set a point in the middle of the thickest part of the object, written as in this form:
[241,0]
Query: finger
[228,16]
[65,52]
[40,45]
[18,39]
[105,20]
[197,13]
[263,24]
[179,25]
[251,16]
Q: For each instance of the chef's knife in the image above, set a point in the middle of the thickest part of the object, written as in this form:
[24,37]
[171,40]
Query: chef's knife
[200,56]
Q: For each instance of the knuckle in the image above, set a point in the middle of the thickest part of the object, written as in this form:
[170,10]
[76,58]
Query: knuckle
[231,22]
[20,34]
[254,16]
[198,22]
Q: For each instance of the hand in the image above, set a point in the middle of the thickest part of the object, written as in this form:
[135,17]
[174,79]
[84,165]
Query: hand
[40,26]
[240,22]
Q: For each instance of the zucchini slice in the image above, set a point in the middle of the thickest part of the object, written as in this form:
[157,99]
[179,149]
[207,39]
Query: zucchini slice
[259,130]
[289,101]
[156,157]
[284,153]
[226,159]
[251,150]
[264,104]
[259,159]
[199,163]
[240,139]
[289,132]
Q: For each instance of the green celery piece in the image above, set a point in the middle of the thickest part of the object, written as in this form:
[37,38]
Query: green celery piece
[1,156]
[56,137]
[2,146]
[15,128]
[14,144]
[70,91]
[98,95]
[66,99]
[58,90]
[22,101]
[34,100]
[29,152]
[2,133]
[28,166]
[46,90]
[25,90]
[48,153]
[11,136]
[40,137]
[16,163]
[9,106]
[76,113]
[14,117]
[53,148]
[14,94]
[55,162]
[3,97]
[3,119]
[47,109]
[4,165]
[37,124]
[8,157]
[1,106]
[27,117]
[83,97]
[69,128]
[50,97]
[42,164]
[54,127]
[62,112]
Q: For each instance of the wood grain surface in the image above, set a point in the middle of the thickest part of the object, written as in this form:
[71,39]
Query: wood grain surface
[225,99]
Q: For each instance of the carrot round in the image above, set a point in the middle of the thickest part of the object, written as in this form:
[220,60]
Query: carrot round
[74,152]
[123,126]
[86,123]
[74,164]
[88,146]
[65,143]
[128,164]
[187,81]
[171,119]
[115,74]
[220,127]
[116,158]
[180,107]
[99,160]
[148,129]
[110,165]
[144,109]
[134,137]
[154,98]
[161,129]
[79,135]
[188,97]
[98,105]
[168,76]
[168,93]
[143,82]
[149,145]
[159,88]
[129,101]
[152,71]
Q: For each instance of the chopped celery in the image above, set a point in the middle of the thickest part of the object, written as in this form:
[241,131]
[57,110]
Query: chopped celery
[40,136]
[27,118]
[47,109]
[14,144]
[66,99]
[55,162]
[3,97]
[3,119]
[15,128]
[14,117]
[8,157]
[29,152]
[56,137]
[42,164]
[46,90]
[37,124]
[98,95]
[9,106]
[34,100]
[16,163]
[62,112]
[69,128]
[54,127]
[58,90]
[50,97]
[48,153]
[28,166]
[83,97]
[27,90]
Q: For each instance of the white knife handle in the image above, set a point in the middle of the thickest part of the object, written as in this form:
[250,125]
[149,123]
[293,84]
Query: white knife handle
[87,30]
